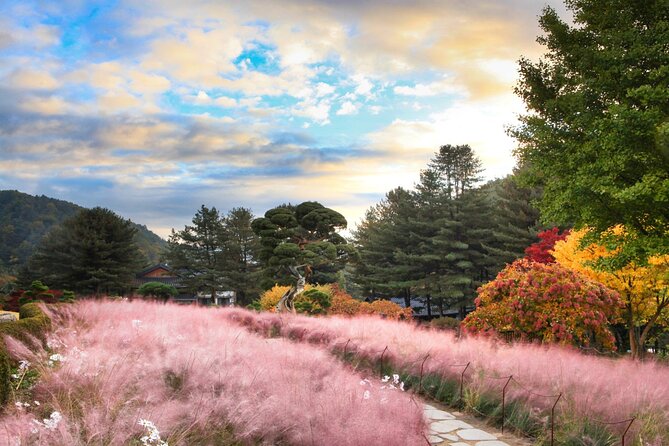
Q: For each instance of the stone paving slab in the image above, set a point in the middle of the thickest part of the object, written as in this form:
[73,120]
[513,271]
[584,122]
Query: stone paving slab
[446,429]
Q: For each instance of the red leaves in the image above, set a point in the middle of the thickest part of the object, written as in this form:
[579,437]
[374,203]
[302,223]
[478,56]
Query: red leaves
[541,251]
[546,302]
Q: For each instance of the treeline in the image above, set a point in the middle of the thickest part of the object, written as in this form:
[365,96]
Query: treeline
[26,219]
[440,241]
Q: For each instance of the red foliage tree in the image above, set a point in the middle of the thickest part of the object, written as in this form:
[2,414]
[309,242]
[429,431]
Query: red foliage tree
[541,250]
[546,302]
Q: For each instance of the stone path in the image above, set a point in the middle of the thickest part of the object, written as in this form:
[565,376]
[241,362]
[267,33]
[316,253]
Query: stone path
[449,429]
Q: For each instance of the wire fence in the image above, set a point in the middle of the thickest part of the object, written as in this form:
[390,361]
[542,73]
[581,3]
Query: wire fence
[507,381]
[347,347]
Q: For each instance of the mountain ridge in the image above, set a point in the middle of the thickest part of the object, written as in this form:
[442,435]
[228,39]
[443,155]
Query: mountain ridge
[25,219]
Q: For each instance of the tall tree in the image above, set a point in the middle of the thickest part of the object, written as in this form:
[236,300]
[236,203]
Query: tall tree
[198,252]
[91,252]
[305,234]
[241,261]
[597,132]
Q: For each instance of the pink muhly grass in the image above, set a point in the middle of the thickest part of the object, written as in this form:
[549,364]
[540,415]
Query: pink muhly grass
[595,388]
[194,374]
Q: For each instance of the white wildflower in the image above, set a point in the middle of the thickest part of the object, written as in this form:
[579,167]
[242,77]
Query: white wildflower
[50,423]
[385,379]
[396,379]
[136,323]
[153,437]
[366,395]
[402,386]
[36,403]
[23,365]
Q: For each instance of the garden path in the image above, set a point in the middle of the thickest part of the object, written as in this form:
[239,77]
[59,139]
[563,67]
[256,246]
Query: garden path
[457,429]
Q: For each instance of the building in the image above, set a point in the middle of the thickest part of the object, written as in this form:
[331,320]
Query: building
[419,307]
[162,273]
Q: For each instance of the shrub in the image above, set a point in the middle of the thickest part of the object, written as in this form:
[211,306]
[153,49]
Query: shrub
[445,323]
[546,302]
[157,290]
[33,324]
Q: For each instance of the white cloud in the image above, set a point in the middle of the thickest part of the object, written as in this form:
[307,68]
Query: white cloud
[363,86]
[225,102]
[348,108]
[445,85]
[323,89]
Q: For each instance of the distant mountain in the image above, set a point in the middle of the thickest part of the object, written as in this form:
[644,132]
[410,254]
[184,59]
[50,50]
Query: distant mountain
[25,219]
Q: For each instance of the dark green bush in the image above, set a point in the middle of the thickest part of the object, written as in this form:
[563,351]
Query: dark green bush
[445,323]
[33,323]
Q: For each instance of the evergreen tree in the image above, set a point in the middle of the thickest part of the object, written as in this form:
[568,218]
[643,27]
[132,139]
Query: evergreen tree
[383,242]
[303,235]
[93,252]
[241,261]
[198,252]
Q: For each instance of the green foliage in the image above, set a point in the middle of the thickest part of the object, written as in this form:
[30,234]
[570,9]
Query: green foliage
[217,253]
[93,252]
[26,219]
[157,290]
[33,324]
[445,238]
[596,133]
[313,301]
[445,323]
[305,234]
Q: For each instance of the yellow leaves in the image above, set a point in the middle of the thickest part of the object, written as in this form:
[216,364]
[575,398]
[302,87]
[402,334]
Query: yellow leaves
[637,285]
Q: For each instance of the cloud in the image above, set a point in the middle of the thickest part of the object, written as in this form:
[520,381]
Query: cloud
[443,86]
[31,80]
[348,108]
[111,95]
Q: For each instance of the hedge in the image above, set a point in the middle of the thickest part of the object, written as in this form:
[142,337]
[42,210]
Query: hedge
[33,323]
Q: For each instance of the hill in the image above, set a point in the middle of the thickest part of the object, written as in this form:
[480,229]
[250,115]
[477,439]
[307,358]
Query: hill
[25,219]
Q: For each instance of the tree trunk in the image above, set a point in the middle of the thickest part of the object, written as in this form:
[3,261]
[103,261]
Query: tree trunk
[429,306]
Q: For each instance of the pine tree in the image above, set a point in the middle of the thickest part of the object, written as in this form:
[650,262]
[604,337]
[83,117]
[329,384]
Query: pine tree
[93,252]
[198,252]
[241,260]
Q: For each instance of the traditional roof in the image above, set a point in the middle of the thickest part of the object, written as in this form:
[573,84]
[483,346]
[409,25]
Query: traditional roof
[150,269]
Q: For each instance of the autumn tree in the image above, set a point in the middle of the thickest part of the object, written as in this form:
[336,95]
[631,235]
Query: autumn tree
[596,134]
[644,289]
[542,251]
[546,302]
[303,235]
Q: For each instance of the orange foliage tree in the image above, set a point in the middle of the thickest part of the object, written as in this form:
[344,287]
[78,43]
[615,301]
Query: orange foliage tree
[341,303]
[546,302]
[643,288]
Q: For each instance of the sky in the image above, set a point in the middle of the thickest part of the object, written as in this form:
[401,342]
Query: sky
[154,108]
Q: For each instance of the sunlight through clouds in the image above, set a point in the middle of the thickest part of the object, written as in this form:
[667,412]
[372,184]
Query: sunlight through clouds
[254,103]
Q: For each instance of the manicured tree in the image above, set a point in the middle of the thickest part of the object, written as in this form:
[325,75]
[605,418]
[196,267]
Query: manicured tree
[93,252]
[157,290]
[546,302]
[542,251]
[303,235]
[597,132]
[644,289]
